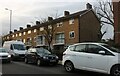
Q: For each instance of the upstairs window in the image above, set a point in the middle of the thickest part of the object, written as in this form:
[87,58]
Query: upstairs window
[24,33]
[60,24]
[72,34]
[16,35]
[59,38]
[20,34]
[35,30]
[13,35]
[29,32]
[41,28]
[71,21]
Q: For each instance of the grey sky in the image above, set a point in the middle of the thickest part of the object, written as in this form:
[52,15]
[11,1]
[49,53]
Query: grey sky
[28,11]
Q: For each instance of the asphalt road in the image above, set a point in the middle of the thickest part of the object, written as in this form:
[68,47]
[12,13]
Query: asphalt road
[20,68]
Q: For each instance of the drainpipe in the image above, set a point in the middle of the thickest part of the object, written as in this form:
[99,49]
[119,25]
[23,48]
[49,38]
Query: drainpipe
[79,28]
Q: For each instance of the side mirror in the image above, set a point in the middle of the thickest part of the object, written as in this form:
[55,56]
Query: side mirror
[102,52]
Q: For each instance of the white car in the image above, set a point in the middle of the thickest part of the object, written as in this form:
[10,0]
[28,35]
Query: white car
[4,55]
[97,57]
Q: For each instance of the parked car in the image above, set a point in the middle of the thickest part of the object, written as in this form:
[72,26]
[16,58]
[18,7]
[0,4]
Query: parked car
[40,56]
[15,48]
[98,57]
[4,55]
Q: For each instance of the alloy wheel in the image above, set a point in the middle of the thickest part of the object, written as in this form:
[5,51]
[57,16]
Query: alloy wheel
[117,71]
[69,66]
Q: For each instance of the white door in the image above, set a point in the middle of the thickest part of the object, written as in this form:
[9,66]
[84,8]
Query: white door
[80,58]
[97,61]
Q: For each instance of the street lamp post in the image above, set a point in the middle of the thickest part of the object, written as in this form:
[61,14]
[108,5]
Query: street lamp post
[10,18]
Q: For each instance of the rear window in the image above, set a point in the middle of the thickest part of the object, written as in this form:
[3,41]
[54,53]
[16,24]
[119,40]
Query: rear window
[112,48]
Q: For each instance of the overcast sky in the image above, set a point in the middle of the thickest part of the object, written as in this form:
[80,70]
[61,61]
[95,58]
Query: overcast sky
[28,11]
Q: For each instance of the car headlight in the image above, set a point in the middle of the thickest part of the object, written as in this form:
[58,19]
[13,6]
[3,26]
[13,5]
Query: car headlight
[57,57]
[9,56]
[45,57]
[16,54]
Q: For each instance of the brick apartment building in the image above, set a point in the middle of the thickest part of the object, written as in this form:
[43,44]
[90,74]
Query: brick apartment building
[73,28]
[116,10]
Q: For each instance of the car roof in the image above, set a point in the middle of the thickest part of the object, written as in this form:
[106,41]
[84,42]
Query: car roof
[89,43]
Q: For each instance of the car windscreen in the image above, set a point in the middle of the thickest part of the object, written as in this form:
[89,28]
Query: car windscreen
[42,50]
[3,50]
[19,46]
[112,48]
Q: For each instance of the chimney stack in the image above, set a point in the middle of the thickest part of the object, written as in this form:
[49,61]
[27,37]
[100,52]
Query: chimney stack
[50,18]
[37,22]
[28,25]
[88,6]
[15,30]
[21,28]
[10,32]
[66,13]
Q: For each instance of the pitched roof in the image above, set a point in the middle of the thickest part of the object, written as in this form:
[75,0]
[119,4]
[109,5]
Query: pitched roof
[74,15]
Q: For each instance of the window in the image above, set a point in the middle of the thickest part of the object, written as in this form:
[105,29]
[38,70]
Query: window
[59,38]
[20,34]
[71,21]
[49,26]
[34,39]
[29,32]
[16,35]
[24,40]
[35,30]
[72,34]
[72,48]
[40,40]
[29,41]
[24,33]
[94,49]
[41,28]
[13,35]
[60,24]
[80,48]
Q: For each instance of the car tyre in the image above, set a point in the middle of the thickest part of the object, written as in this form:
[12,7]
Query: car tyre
[38,62]
[26,60]
[69,67]
[115,71]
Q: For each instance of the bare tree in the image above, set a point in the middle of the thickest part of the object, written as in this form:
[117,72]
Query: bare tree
[49,29]
[48,33]
[104,11]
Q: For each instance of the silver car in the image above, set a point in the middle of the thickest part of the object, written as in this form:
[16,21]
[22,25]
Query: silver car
[4,55]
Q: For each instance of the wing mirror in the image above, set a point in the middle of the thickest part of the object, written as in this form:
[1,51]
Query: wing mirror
[102,52]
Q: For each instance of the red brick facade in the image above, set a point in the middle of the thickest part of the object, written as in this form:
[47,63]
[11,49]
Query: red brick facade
[116,10]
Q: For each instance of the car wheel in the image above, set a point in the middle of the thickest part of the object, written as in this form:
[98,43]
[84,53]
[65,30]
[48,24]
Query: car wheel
[38,62]
[26,60]
[115,71]
[69,67]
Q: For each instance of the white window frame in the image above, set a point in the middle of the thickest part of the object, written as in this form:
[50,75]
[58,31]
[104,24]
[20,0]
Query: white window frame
[60,38]
[70,33]
[60,24]
[71,21]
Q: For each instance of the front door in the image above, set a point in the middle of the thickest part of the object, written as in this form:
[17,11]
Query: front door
[81,57]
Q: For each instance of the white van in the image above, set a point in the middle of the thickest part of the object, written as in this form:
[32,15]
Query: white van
[17,49]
